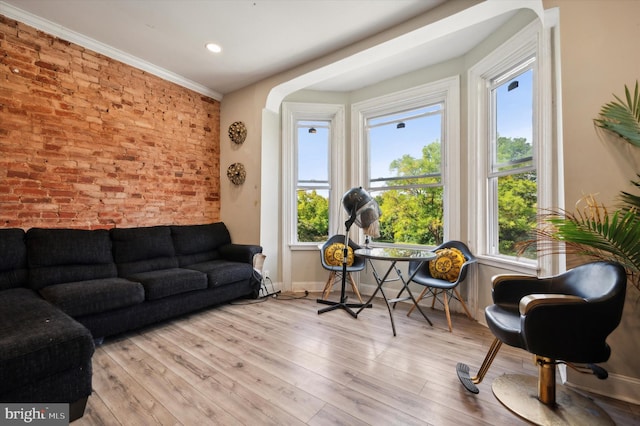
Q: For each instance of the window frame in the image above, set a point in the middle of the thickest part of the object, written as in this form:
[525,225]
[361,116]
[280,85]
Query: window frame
[533,40]
[446,91]
[493,175]
[292,112]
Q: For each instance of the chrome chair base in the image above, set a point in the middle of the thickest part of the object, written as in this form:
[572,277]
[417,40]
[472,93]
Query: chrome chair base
[519,393]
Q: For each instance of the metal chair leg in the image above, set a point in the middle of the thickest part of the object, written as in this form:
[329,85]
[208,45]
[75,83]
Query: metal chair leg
[435,295]
[463,370]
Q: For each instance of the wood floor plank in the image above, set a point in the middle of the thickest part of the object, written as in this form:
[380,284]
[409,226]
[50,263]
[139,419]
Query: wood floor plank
[279,362]
[97,413]
[168,388]
[212,349]
[130,403]
[248,406]
[303,378]
[333,416]
[328,361]
[248,333]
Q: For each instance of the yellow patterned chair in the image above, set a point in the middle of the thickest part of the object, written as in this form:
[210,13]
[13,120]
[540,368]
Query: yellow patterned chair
[331,256]
[441,276]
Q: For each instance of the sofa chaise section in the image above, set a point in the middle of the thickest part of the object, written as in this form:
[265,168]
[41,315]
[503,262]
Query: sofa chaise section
[45,355]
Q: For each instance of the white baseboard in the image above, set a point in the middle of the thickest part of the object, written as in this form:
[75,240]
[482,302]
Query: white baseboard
[310,286]
[616,386]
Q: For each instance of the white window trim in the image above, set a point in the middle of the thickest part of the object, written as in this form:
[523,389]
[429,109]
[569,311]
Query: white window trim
[446,90]
[291,113]
[533,39]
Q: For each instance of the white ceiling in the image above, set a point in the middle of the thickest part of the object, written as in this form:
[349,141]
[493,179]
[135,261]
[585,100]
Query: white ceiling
[259,38]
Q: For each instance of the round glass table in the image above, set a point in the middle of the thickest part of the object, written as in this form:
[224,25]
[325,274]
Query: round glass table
[395,255]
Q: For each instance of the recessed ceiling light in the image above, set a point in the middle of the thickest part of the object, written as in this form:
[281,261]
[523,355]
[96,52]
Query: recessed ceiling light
[212,47]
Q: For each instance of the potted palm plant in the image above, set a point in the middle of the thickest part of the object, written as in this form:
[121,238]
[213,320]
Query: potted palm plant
[593,230]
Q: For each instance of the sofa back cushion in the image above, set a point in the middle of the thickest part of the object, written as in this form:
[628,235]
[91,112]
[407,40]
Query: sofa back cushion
[199,243]
[58,256]
[144,249]
[13,259]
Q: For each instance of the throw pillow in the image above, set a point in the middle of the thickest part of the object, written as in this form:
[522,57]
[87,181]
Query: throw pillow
[335,252]
[447,265]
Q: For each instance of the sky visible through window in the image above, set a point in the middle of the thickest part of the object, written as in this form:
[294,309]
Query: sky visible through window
[388,142]
[313,151]
[515,109]
[514,121]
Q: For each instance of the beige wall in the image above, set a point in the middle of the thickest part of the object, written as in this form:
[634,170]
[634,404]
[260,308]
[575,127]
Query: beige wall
[242,202]
[599,56]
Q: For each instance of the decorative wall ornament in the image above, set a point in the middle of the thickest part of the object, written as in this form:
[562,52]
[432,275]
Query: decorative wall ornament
[238,132]
[236,173]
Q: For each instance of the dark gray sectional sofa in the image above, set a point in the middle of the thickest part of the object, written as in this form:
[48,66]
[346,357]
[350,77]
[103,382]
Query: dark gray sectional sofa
[61,290]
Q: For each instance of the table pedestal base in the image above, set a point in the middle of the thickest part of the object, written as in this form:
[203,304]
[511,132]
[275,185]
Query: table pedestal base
[342,305]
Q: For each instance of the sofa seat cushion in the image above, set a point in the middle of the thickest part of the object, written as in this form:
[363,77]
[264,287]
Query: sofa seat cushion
[38,340]
[169,282]
[223,272]
[94,296]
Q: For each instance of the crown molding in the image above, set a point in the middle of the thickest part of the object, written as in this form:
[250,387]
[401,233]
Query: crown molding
[61,32]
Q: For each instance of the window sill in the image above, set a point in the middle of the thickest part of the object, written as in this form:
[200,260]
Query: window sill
[306,247]
[528,267]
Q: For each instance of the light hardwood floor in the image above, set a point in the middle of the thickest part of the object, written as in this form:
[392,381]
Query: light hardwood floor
[280,363]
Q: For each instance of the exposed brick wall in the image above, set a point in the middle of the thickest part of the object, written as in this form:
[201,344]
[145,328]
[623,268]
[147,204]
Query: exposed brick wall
[89,142]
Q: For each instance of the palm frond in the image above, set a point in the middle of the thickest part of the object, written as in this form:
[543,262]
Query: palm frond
[622,118]
[631,201]
[592,232]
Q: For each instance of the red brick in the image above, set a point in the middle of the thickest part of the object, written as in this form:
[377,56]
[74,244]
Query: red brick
[89,142]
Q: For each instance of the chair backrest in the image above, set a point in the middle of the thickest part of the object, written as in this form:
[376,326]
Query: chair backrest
[597,281]
[468,256]
[358,262]
[579,330]
[603,284]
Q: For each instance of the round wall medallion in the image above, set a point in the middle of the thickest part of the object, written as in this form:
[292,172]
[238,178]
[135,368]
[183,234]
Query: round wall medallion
[236,173]
[238,132]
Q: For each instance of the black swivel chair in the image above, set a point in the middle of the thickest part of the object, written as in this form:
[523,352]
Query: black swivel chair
[336,266]
[560,319]
[448,289]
